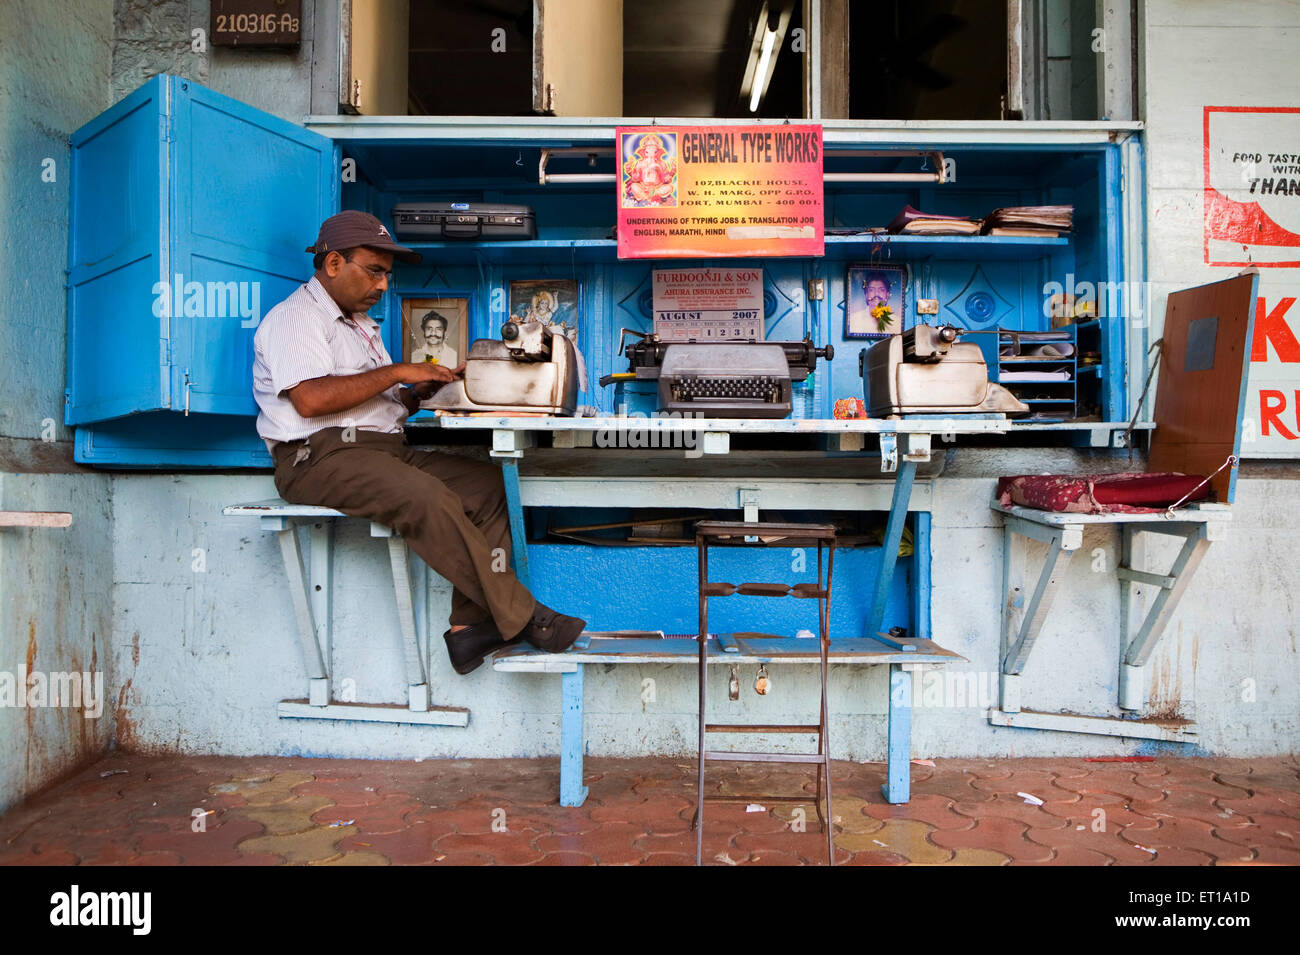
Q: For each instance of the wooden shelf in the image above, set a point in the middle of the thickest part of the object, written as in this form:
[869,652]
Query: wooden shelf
[837,247]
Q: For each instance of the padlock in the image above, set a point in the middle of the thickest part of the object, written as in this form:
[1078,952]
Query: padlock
[762,683]
[733,685]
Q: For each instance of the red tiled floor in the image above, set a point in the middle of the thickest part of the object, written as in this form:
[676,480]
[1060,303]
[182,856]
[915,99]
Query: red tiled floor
[139,810]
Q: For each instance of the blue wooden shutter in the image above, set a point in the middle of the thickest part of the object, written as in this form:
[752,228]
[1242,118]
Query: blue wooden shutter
[117,251]
[250,191]
[190,212]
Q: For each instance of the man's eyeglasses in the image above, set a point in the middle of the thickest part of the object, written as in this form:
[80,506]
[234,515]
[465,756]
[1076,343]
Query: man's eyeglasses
[377,272]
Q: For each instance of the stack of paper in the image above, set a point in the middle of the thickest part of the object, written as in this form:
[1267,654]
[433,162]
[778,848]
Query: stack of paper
[915,222]
[1039,221]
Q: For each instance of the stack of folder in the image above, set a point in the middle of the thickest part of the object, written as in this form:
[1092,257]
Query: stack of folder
[1034,221]
[915,222]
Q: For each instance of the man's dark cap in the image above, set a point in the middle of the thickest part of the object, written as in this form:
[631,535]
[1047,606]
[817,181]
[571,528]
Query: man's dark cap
[352,228]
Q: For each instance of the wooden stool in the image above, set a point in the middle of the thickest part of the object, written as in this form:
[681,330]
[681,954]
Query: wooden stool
[723,534]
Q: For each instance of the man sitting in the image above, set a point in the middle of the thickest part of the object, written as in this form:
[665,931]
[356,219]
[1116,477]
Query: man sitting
[332,413]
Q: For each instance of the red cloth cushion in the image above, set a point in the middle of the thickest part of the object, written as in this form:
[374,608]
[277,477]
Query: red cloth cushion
[1132,493]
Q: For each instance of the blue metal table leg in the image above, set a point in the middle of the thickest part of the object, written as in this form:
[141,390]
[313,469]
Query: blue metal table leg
[572,792]
[921,578]
[893,535]
[515,507]
[898,788]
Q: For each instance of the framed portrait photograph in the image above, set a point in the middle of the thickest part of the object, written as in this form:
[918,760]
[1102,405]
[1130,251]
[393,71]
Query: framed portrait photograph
[875,300]
[549,301]
[435,329]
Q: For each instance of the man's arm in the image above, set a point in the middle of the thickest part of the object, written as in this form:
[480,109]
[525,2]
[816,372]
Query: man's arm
[333,394]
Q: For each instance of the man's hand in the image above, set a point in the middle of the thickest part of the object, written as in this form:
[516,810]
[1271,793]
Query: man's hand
[423,390]
[426,373]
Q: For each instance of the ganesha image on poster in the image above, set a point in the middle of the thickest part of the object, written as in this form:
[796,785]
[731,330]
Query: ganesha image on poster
[649,170]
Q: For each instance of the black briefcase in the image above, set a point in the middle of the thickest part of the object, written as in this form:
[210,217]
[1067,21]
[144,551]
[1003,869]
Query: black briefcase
[463,220]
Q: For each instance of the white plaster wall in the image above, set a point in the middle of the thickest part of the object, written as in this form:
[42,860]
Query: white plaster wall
[203,657]
[55,584]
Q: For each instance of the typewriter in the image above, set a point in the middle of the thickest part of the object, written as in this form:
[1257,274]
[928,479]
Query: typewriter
[926,370]
[531,369]
[723,379]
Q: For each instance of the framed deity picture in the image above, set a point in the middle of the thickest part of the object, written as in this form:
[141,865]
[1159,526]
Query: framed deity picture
[549,301]
[435,329]
[875,301]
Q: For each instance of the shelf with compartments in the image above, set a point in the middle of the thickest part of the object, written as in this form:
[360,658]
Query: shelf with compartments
[1041,369]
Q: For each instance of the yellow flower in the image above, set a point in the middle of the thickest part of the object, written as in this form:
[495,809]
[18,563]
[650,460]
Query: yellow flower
[883,315]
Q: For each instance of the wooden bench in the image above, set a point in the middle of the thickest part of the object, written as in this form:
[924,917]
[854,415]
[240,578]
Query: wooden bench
[726,649]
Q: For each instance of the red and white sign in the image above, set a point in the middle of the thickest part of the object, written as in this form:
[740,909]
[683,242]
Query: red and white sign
[1252,217]
[1252,186]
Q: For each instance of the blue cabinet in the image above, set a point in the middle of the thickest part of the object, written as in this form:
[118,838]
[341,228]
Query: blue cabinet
[189,215]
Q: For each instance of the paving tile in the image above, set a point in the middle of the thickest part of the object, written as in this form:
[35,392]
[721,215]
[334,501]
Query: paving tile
[110,854]
[263,789]
[462,858]
[878,857]
[1259,775]
[669,858]
[1281,832]
[662,812]
[158,858]
[773,857]
[413,846]
[903,836]
[387,815]
[1261,803]
[935,811]
[504,848]
[849,813]
[1110,844]
[36,855]
[216,845]
[670,842]
[297,848]
[1037,781]
[778,817]
[345,793]
[354,859]
[950,785]
[1074,855]
[1011,806]
[611,844]
[809,846]
[1276,855]
[470,818]
[567,858]
[1120,782]
[1189,804]
[282,818]
[973,857]
[1186,837]
[558,819]
[1115,813]
[998,833]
